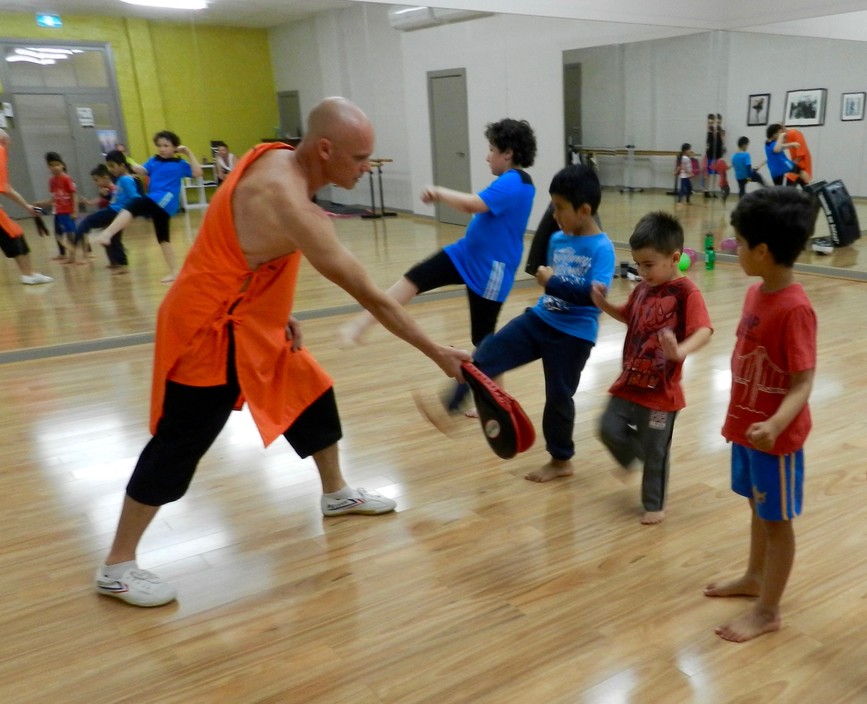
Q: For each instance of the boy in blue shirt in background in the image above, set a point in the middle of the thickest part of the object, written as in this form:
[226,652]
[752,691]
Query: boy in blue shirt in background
[743,167]
[125,191]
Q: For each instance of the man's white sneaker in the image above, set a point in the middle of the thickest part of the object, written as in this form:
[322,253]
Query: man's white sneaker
[361,501]
[136,587]
[35,278]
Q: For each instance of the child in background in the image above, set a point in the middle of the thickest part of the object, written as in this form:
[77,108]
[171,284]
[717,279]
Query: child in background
[778,161]
[666,320]
[224,161]
[116,166]
[64,201]
[166,172]
[684,173]
[104,187]
[721,167]
[768,419]
[743,167]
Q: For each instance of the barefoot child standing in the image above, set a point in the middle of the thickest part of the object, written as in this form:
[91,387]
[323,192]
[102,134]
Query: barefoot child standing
[666,320]
[768,418]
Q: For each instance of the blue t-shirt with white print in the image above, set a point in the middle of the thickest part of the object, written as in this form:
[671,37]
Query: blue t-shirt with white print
[578,261]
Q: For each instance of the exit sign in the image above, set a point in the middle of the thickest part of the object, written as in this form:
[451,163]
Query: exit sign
[47,20]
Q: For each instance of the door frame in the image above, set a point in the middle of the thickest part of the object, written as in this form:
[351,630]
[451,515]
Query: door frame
[443,212]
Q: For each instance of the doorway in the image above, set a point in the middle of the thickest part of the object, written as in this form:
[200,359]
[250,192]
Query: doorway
[64,99]
[68,124]
[572,109]
[289,108]
[450,138]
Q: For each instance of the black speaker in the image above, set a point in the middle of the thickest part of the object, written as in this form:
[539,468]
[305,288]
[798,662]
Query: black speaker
[839,211]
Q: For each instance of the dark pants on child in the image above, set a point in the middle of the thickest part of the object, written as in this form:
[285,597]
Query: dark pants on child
[523,340]
[632,432]
[755,177]
[193,417]
[101,219]
[685,189]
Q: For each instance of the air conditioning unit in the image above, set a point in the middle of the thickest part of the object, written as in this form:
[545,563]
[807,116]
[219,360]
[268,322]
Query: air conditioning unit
[407,18]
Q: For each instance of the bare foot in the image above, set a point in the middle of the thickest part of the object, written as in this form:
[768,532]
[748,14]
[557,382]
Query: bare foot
[168,279]
[349,335]
[59,257]
[749,626]
[119,270]
[652,518]
[471,413]
[435,413]
[552,470]
[101,239]
[745,586]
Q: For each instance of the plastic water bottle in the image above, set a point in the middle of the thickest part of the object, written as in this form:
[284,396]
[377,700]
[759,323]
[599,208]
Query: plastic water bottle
[709,253]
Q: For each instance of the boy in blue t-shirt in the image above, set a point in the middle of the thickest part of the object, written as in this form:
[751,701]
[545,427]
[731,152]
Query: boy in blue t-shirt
[125,191]
[562,327]
[486,258]
[743,167]
[166,172]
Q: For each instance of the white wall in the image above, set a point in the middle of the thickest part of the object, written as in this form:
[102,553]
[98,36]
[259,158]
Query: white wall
[653,89]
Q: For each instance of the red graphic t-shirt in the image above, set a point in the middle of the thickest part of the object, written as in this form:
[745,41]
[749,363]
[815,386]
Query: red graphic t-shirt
[62,188]
[648,378]
[775,339]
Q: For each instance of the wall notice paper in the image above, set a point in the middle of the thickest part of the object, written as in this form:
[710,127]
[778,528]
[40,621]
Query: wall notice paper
[2,120]
[85,117]
[7,110]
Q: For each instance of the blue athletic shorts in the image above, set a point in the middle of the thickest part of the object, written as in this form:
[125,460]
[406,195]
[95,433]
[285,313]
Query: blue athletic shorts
[774,482]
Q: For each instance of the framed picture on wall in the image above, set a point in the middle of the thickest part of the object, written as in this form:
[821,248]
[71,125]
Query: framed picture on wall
[805,107]
[852,107]
[758,109]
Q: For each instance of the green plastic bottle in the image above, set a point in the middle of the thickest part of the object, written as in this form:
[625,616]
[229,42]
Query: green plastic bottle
[709,253]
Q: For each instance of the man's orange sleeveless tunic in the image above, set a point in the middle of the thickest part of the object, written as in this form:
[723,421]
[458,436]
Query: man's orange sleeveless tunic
[12,228]
[216,287]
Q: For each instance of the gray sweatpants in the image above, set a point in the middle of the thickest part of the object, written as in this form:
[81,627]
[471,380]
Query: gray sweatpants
[631,431]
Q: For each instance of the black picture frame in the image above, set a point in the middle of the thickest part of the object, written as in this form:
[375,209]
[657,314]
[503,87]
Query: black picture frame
[852,106]
[805,107]
[758,109]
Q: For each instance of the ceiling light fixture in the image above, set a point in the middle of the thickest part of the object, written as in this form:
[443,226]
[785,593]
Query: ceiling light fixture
[170,4]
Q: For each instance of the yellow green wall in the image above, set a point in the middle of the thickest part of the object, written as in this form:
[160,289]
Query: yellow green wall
[202,82]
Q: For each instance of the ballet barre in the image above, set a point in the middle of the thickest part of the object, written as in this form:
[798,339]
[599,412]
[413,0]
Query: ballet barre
[377,162]
[630,152]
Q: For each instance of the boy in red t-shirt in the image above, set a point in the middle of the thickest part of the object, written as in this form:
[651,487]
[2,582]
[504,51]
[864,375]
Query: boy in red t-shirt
[666,320]
[64,201]
[768,418]
[722,167]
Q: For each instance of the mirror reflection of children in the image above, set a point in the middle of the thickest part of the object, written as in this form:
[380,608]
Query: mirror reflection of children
[224,161]
[166,171]
[64,202]
[742,165]
[683,171]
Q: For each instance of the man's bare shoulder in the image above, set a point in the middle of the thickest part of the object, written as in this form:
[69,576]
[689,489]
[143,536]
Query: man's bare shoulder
[273,211]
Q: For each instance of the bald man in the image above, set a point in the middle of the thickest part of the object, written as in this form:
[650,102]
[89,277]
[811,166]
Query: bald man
[12,242]
[226,336]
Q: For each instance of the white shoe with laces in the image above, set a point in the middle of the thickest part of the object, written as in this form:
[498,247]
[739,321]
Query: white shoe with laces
[137,587]
[362,501]
[35,278]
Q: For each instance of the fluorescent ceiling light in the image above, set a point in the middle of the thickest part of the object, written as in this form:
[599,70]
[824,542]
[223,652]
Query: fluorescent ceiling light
[170,4]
